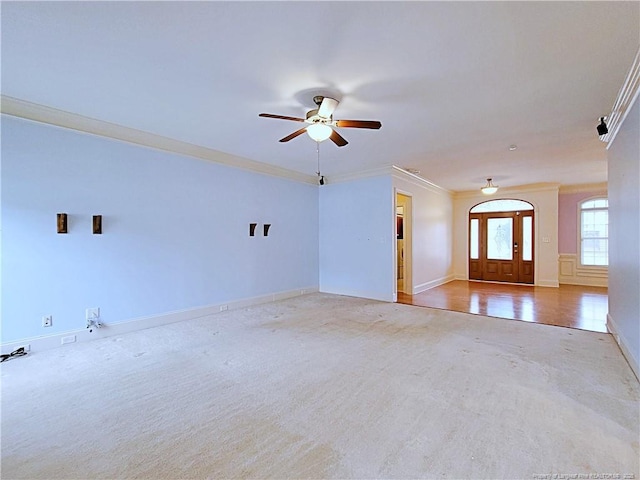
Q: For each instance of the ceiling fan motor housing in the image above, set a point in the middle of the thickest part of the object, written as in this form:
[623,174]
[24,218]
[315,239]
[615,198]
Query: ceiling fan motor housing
[313,117]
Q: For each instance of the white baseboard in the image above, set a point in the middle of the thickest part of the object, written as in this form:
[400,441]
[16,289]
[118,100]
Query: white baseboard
[538,283]
[633,362]
[433,283]
[128,326]
[371,295]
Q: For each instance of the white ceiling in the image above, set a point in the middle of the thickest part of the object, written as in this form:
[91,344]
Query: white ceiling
[453,83]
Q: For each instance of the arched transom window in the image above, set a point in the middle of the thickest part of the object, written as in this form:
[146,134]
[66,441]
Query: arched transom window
[505,205]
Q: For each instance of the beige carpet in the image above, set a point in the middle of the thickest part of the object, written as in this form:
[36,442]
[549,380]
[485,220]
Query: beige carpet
[325,386]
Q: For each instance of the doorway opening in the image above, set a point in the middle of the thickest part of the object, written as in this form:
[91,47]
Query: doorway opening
[501,241]
[403,244]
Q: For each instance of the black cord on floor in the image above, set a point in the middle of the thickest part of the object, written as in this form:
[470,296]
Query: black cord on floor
[18,352]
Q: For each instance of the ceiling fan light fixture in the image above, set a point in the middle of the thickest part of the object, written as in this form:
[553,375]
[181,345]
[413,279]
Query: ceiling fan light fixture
[321,122]
[319,131]
[489,188]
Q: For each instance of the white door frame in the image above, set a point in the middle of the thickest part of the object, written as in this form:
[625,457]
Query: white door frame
[408,243]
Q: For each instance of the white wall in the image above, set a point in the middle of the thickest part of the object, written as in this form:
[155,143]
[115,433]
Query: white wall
[357,239]
[544,199]
[624,236]
[432,231]
[175,231]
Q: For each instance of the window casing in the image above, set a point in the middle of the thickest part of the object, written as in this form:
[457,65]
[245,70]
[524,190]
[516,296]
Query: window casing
[594,232]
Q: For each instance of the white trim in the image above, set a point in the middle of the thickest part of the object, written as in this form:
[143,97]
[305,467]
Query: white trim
[507,192]
[349,177]
[135,324]
[570,272]
[627,96]
[596,188]
[368,294]
[395,244]
[408,241]
[543,283]
[59,118]
[394,171]
[624,348]
[401,173]
[435,283]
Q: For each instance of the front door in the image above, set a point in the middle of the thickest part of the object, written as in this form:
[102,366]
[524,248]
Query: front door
[501,246]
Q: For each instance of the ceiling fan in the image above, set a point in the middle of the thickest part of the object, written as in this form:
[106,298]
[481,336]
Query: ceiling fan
[321,121]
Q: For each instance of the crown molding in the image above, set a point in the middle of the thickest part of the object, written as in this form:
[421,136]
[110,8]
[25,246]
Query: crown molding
[401,173]
[503,191]
[73,121]
[350,177]
[586,187]
[388,170]
[627,96]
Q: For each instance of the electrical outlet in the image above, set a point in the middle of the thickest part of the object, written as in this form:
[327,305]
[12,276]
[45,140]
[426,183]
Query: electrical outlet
[47,320]
[224,308]
[92,313]
[69,339]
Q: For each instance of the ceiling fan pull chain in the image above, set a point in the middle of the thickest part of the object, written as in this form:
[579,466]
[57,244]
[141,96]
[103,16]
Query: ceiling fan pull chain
[320,177]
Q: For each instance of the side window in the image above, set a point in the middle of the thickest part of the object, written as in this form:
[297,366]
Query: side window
[594,232]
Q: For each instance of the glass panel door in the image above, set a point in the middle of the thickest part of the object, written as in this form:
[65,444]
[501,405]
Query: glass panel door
[500,238]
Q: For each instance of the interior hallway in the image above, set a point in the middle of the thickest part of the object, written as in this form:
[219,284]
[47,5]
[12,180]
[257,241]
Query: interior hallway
[570,306]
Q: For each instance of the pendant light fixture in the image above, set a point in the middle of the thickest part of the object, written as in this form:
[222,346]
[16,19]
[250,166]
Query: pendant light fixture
[489,188]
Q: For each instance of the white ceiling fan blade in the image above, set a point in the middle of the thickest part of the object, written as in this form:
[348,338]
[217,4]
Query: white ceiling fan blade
[327,107]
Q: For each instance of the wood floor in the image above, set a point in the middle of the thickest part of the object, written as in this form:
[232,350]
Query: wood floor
[570,306]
